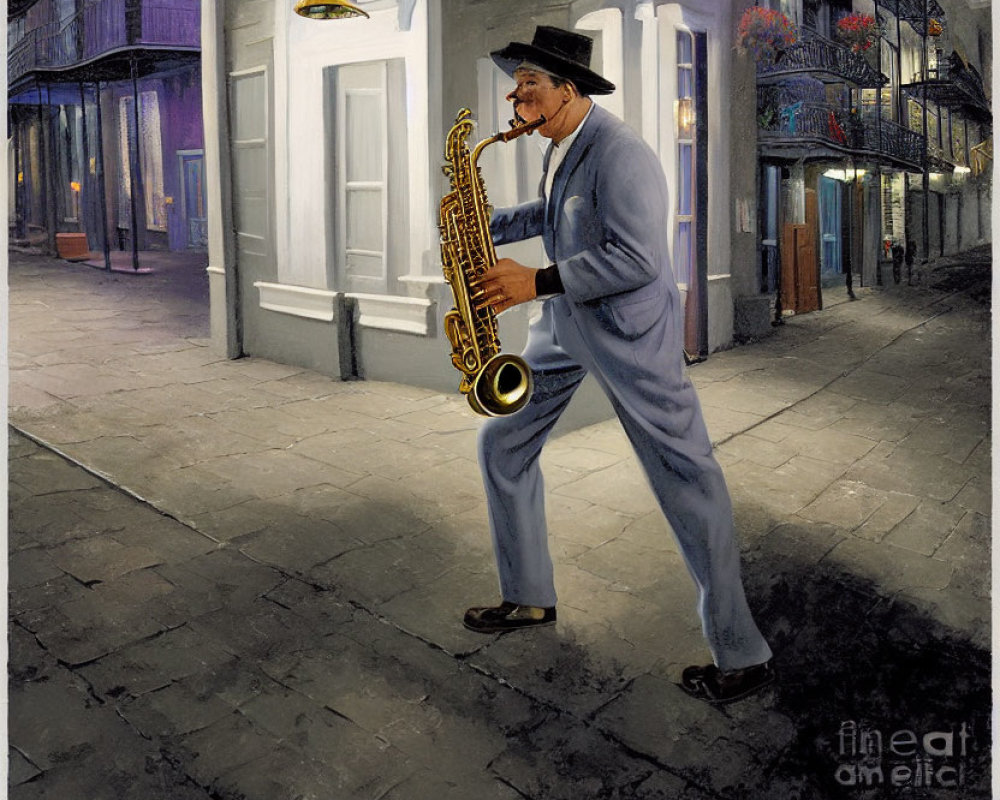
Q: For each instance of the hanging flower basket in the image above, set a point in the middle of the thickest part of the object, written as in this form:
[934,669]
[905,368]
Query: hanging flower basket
[765,34]
[858,31]
[934,28]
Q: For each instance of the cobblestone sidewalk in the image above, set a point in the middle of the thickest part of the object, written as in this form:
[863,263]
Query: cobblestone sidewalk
[255,586]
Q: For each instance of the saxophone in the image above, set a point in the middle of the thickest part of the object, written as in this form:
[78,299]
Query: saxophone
[495,383]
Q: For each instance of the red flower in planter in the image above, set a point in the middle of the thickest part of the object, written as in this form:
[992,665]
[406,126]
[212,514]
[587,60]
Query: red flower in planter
[765,33]
[859,31]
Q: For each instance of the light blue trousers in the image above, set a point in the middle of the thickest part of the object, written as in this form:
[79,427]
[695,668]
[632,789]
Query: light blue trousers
[662,418]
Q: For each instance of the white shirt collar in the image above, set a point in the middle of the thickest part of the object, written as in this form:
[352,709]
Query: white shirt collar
[559,153]
[565,143]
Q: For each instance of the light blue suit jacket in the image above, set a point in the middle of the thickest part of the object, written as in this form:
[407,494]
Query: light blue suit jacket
[606,230]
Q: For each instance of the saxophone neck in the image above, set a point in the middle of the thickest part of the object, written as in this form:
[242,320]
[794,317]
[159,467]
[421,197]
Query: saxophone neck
[518,130]
[506,136]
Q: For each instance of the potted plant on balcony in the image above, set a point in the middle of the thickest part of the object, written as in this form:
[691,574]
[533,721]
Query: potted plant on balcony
[765,33]
[858,31]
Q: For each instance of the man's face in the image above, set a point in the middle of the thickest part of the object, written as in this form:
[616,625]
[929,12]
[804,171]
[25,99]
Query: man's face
[536,96]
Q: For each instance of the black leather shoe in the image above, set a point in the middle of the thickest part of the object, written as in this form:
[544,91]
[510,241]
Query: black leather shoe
[715,686]
[507,617]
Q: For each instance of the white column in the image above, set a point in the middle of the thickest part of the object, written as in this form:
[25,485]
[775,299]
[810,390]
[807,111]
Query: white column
[609,22]
[221,263]
[650,60]
[284,126]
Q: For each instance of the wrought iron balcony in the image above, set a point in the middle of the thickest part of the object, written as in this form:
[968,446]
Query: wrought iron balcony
[807,129]
[803,123]
[47,47]
[119,23]
[955,85]
[912,11]
[821,57]
[890,140]
[103,27]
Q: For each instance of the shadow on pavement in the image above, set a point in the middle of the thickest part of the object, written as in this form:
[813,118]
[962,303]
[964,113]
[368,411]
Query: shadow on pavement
[865,681]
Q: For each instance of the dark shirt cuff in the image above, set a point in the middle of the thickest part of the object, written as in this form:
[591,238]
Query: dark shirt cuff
[547,281]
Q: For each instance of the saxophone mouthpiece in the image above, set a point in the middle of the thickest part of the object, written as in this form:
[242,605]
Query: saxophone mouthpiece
[520,125]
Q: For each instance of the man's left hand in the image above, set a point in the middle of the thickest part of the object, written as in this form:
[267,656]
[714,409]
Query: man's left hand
[508,284]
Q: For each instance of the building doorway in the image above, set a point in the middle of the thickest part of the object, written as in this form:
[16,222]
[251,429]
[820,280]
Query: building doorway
[192,167]
[830,200]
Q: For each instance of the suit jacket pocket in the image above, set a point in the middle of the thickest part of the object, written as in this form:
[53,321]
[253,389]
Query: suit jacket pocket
[634,317]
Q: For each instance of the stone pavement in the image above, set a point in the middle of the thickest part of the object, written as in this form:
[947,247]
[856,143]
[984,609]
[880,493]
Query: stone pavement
[239,579]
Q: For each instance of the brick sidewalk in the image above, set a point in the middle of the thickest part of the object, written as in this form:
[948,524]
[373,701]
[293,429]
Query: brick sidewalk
[856,444]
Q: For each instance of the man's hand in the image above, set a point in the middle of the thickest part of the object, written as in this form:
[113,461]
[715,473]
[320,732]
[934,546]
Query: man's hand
[507,284]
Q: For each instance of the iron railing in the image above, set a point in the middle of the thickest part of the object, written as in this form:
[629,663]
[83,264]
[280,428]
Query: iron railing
[804,120]
[103,26]
[807,123]
[817,54]
[953,84]
[890,140]
[43,47]
[912,11]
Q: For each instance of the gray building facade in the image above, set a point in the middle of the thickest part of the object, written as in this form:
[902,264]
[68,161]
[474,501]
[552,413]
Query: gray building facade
[324,143]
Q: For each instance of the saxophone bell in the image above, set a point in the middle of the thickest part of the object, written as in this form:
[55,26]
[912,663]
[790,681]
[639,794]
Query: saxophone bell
[502,387]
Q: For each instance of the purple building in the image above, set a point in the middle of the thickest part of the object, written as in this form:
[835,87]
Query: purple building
[105,124]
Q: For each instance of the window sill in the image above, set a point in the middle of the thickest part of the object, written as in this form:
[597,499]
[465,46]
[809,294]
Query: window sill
[391,313]
[299,301]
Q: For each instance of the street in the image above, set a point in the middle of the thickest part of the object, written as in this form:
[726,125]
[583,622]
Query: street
[242,580]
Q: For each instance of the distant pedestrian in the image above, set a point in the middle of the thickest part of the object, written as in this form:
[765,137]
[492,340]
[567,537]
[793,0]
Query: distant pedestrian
[897,262]
[908,258]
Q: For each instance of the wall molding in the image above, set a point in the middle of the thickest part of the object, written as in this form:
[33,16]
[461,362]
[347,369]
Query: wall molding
[391,313]
[299,301]
[428,280]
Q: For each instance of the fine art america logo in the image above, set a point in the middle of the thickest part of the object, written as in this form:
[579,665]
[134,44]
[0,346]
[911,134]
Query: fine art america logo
[902,758]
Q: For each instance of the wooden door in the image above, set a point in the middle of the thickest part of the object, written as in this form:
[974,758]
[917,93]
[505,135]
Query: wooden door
[799,268]
[807,258]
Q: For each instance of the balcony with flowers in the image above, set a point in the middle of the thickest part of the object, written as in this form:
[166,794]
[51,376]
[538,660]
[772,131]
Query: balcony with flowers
[766,34]
[858,32]
[782,49]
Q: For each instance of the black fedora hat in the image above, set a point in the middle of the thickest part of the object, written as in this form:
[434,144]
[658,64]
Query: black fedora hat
[562,53]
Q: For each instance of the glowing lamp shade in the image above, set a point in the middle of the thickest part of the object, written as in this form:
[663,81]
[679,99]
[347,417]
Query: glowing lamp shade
[327,9]
[684,114]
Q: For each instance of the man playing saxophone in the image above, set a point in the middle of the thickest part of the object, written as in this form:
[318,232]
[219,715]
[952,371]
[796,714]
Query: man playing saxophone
[611,308]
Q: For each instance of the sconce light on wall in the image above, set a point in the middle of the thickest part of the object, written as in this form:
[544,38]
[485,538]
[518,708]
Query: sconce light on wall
[684,114]
[327,9]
